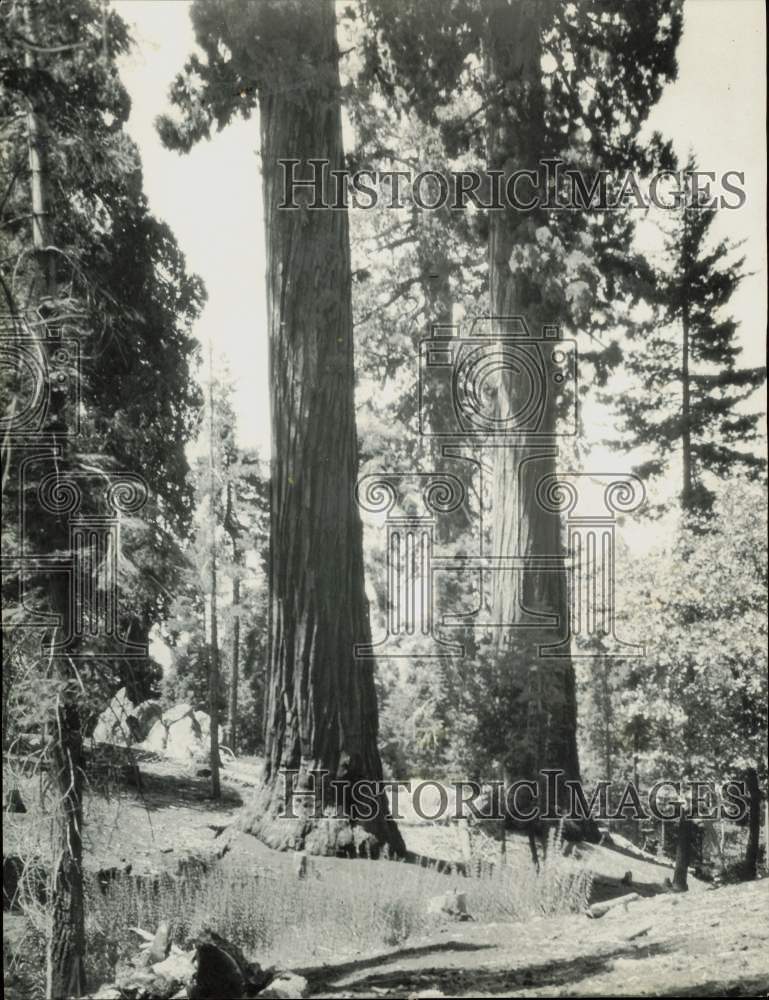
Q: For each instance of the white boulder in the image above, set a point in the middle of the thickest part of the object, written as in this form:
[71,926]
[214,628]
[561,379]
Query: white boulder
[449,904]
[156,738]
[203,719]
[184,738]
[176,712]
[113,725]
[147,714]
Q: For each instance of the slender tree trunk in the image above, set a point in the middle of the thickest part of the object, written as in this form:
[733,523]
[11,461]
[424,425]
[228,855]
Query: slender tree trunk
[232,707]
[754,823]
[65,952]
[687,495]
[213,666]
[321,711]
[232,712]
[683,853]
[37,141]
[65,946]
[436,288]
[608,714]
[542,692]
[766,832]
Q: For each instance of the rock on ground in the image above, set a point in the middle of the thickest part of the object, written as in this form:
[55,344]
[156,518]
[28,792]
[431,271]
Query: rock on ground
[449,904]
[180,733]
[286,986]
[113,725]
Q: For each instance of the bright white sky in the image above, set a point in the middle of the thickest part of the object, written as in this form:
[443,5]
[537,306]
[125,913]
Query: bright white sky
[211,197]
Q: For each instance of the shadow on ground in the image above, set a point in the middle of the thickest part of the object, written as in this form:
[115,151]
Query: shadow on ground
[159,791]
[322,976]
[751,986]
[449,980]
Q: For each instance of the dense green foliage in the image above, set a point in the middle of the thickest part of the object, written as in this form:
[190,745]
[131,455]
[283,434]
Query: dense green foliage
[120,288]
[696,706]
[235,531]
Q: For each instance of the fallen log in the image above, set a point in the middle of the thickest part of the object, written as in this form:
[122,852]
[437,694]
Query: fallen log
[599,909]
[615,883]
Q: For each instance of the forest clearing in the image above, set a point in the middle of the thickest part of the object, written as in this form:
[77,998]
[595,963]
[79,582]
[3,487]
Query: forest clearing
[384,481]
[380,938]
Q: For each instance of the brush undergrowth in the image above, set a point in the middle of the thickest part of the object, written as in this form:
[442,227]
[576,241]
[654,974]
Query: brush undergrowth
[333,912]
[336,910]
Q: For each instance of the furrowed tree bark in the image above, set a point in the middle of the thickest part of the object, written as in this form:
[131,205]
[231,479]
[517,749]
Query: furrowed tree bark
[542,691]
[321,712]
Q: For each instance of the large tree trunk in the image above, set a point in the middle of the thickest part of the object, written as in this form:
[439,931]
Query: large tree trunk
[542,691]
[322,711]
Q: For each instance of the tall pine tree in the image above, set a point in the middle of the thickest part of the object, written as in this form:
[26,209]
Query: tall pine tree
[83,259]
[687,401]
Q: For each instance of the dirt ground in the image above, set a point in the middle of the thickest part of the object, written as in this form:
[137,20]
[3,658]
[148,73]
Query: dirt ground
[701,944]
[707,942]
[170,816]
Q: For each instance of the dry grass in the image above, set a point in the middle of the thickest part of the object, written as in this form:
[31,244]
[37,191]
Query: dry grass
[339,909]
[334,911]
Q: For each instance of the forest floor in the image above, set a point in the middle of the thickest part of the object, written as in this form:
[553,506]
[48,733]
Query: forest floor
[170,817]
[707,942]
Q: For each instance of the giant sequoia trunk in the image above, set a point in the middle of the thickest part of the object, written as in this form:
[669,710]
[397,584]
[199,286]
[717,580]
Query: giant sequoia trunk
[541,692]
[321,712]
